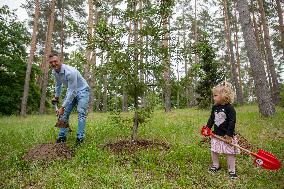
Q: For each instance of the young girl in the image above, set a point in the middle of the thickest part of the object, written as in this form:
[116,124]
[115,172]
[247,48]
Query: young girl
[223,117]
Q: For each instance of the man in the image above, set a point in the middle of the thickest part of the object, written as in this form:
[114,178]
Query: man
[78,92]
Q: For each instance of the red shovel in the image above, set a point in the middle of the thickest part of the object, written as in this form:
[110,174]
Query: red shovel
[263,158]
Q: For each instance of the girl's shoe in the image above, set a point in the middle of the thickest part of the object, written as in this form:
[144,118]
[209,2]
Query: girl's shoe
[233,175]
[213,169]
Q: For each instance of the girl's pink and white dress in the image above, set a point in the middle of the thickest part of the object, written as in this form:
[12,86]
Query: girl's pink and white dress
[221,147]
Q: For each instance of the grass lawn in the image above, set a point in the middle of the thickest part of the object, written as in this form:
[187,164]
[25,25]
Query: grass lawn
[184,165]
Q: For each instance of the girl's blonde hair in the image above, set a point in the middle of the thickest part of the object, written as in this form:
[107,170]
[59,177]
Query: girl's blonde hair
[226,91]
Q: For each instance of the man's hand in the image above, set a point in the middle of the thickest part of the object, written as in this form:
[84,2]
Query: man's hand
[55,100]
[228,139]
[60,111]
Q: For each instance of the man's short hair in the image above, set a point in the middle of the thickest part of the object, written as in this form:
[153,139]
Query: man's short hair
[52,55]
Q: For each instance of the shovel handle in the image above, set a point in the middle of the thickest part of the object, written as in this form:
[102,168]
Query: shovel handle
[55,107]
[206,131]
[235,145]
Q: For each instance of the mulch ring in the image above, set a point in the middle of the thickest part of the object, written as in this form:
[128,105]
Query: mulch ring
[48,152]
[131,147]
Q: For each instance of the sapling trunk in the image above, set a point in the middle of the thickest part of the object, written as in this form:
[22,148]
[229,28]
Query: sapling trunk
[135,121]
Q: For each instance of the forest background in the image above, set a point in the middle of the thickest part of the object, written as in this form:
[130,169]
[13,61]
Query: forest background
[171,52]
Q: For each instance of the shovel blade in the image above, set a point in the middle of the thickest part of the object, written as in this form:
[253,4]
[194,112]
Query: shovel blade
[266,160]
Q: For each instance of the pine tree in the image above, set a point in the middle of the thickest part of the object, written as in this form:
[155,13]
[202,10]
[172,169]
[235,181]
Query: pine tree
[30,61]
[47,51]
[266,107]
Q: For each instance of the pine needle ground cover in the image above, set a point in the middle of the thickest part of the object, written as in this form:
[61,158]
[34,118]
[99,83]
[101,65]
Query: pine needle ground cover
[174,157]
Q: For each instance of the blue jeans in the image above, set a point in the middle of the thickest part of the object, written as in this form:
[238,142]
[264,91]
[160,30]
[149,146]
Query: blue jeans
[82,101]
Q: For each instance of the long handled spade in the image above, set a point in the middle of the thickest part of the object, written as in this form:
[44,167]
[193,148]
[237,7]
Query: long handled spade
[263,158]
[56,108]
[60,124]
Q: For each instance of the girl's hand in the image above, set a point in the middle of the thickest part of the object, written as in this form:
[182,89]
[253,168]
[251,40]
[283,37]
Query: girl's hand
[205,132]
[228,139]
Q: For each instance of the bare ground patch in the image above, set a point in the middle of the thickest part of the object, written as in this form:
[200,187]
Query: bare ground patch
[48,152]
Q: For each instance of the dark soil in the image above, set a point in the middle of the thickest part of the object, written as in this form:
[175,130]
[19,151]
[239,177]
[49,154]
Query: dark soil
[132,147]
[48,152]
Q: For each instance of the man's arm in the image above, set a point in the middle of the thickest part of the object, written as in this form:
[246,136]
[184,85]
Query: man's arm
[58,87]
[71,90]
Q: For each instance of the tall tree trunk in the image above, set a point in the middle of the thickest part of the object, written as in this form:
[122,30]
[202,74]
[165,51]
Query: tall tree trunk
[116,96]
[166,61]
[142,68]
[88,54]
[265,57]
[194,81]
[98,100]
[124,101]
[47,50]
[271,65]
[62,33]
[30,61]
[280,21]
[125,96]
[92,71]
[260,41]
[136,54]
[234,74]
[237,46]
[105,86]
[147,60]
[42,65]
[185,58]
[90,66]
[256,31]
[135,123]
[266,107]
[178,85]
[195,29]
[92,82]
[105,93]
